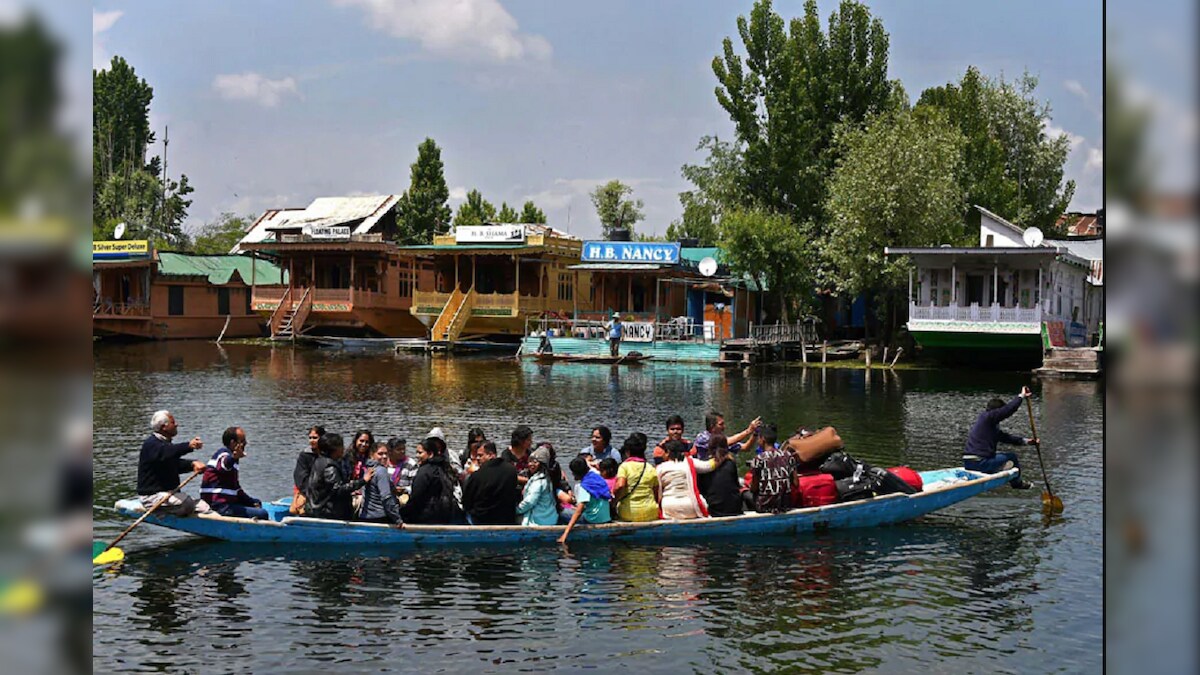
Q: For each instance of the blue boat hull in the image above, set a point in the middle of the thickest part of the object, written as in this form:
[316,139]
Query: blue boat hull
[885,510]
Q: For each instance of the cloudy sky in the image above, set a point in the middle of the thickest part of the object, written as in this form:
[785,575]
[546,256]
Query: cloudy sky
[273,103]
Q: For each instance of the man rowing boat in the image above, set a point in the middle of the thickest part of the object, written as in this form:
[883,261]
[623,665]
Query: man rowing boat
[980,454]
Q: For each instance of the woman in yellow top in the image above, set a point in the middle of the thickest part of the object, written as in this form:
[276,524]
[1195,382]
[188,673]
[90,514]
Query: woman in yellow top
[636,486]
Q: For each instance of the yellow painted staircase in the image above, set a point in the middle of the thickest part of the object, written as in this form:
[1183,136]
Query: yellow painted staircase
[454,316]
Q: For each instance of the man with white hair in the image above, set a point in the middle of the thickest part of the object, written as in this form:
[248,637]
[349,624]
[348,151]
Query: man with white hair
[160,464]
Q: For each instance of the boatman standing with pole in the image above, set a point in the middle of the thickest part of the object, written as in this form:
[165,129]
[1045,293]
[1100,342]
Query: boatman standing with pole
[160,464]
[614,335]
[980,454]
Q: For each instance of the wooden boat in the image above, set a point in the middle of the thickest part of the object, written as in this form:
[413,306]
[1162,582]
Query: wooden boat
[943,488]
[603,359]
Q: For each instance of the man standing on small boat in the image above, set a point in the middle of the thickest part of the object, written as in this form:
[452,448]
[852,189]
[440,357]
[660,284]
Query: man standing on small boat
[160,463]
[614,335]
[980,454]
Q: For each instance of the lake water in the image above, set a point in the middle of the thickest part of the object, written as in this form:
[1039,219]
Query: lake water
[988,585]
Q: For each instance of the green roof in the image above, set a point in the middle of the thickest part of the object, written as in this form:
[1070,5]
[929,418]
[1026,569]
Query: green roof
[218,268]
[695,255]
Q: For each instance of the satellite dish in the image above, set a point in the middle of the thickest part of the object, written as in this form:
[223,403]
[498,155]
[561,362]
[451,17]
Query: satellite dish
[708,266]
[1033,237]
[119,231]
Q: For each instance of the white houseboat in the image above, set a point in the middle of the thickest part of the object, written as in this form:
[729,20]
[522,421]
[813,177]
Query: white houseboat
[1013,295]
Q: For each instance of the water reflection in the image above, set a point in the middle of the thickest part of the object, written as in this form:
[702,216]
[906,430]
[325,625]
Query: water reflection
[984,586]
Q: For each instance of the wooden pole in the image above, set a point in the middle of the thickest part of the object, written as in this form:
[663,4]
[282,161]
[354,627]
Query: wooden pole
[824,351]
[868,353]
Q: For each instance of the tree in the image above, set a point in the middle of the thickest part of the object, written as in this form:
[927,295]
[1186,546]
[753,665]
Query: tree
[475,211]
[507,214]
[1011,166]
[120,119]
[699,221]
[791,91]
[769,249]
[221,235]
[898,184]
[126,187]
[530,213]
[614,210]
[422,210]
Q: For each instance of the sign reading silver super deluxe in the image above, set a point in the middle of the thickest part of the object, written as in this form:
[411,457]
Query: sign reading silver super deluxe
[631,252]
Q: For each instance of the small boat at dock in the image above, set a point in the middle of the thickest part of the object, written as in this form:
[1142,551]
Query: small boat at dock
[943,488]
[602,359]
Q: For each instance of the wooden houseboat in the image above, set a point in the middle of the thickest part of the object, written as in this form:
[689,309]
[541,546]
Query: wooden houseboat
[139,292]
[1010,296]
[487,280]
[346,275]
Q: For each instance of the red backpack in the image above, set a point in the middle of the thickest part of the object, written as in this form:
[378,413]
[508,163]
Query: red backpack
[816,489]
[908,476]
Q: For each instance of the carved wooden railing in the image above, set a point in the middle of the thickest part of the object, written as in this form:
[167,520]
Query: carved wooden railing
[302,312]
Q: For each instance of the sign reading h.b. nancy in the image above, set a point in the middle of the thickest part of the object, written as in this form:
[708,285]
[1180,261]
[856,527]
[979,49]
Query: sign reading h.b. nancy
[631,252]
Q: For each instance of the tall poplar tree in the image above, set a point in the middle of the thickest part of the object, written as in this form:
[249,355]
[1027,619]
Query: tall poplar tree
[530,213]
[422,211]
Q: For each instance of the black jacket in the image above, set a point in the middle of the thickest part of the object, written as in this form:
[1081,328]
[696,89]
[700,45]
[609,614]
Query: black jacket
[329,491]
[491,494]
[431,501]
[304,465]
[722,490]
[160,464]
[986,432]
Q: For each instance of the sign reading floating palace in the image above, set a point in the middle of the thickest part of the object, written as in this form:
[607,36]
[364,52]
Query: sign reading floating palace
[631,252]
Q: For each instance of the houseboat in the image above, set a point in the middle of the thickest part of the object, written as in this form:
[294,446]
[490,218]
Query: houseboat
[346,275]
[1010,297]
[486,281]
[676,303]
[139,292]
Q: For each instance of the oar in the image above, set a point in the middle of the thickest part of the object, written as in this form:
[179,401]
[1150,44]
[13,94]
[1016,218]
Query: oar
[111,553]
[1049,501]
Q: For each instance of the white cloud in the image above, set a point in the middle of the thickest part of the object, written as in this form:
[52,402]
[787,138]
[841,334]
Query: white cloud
[1053,131]
[250,86]
[1095,160]
[1076,88]
[465,29]
[101,22]
[458,193]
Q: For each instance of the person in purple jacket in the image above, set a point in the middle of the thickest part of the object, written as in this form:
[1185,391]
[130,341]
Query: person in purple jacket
[980,453]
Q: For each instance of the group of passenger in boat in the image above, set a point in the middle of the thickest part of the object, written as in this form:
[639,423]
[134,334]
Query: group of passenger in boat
[678,479]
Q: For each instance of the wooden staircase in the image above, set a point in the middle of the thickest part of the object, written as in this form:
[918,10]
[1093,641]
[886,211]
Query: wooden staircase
[1078,363]
[454,316]
[288,319]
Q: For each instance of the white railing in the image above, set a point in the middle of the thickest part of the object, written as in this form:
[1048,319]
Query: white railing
[987,314]
[679,329]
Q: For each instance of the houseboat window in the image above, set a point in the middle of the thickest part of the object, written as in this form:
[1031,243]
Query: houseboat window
[175,300]
[991,241]
[565,290]
[223,301]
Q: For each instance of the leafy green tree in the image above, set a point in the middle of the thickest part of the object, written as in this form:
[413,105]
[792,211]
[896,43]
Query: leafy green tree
[699,221]
[613,209]
[507,214]
[120,119]
[769,249]
[1011,166]
[530,213]
[135,199]
[897,185]
[422,210]
[790,92]
[221,235]
[475,211]
[640,236]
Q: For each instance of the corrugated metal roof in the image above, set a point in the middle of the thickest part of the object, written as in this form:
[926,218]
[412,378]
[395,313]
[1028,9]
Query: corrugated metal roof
[362,213]
[218,269]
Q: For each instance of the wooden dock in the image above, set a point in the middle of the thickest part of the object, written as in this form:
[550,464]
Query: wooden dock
[1081,363]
